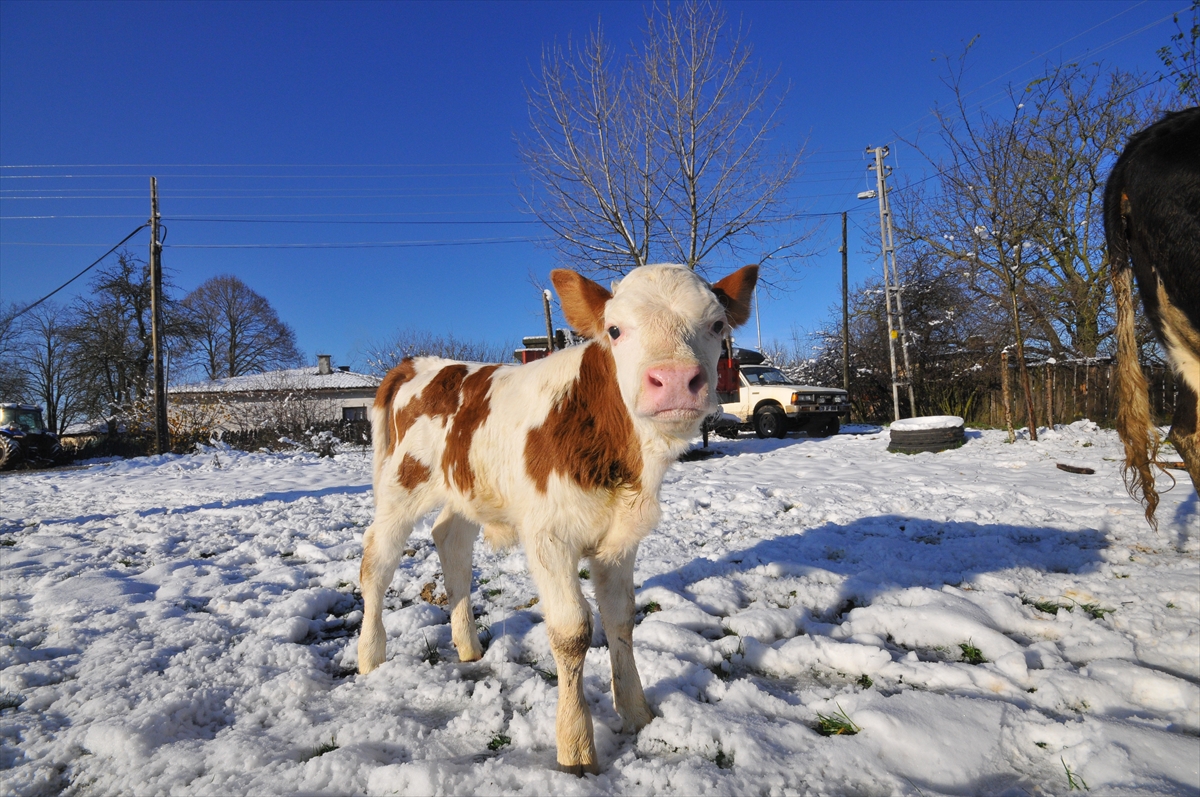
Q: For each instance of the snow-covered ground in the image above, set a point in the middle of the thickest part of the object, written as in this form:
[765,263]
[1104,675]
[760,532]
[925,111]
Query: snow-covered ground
[989,623]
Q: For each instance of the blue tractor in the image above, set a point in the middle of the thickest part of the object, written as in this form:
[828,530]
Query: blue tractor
[25,439]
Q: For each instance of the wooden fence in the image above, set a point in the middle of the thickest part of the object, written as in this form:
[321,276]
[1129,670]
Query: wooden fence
[1067,392]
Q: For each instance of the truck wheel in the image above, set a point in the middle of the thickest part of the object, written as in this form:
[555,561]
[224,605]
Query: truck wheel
[10,453]
[770,422]
[824,427]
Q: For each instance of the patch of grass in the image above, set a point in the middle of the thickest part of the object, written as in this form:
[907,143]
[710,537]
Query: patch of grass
[1042,745]
[320,749]
[1074,780]
[723,761]
[971,654]
[585,574]
[865,681]
[491,593]
[1049,607]
[125,562]
[837,724]
[1095,611]
[483,581]
[651,608]
[8,700]
[1171,605]
[7,542]
[498,741]
[431,652]
[549,676]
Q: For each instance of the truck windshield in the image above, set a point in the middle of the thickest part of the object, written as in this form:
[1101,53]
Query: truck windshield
[765,376]
[25,420]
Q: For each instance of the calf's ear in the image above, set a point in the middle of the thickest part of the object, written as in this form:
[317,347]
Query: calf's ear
[582,301]
[735,292]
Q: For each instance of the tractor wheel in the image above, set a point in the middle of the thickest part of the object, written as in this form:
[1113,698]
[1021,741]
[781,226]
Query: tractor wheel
[10,453]
[770,422]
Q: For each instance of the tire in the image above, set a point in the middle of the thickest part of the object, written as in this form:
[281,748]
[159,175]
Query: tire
[824,427]
[915,441]
[10,452]
[770,422]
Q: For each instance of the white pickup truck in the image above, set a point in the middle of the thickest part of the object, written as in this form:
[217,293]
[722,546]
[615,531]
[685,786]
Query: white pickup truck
[766,401]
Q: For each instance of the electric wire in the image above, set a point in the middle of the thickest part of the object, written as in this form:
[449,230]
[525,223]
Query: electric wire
[94,263]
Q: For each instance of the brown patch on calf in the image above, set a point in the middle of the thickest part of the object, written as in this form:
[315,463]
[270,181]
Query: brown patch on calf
[412,472]
[572,647]
[474,410]
[588,436]
[439,398]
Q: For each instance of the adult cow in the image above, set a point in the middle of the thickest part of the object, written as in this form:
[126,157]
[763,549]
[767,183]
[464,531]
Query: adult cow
[564,455]
[1152,226]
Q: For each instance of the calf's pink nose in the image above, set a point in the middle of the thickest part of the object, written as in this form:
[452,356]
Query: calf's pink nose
[672,387]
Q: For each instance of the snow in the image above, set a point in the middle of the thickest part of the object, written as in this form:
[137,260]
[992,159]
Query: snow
[187,625]
[288,379]
[927,422]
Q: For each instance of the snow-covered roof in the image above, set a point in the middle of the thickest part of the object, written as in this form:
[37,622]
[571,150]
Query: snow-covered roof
[289,379]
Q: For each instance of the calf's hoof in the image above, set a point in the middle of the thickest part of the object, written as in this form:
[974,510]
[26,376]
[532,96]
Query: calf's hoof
[638,718]
[579,770]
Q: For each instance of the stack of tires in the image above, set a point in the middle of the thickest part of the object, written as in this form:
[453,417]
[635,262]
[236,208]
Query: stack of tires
[929,433]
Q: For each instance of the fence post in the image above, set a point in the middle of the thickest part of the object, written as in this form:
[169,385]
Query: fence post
[1007,395]
[1048,379]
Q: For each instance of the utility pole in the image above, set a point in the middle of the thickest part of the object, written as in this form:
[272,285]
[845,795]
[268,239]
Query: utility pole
[845,313]
[892,287]
[549,321]
[162,435]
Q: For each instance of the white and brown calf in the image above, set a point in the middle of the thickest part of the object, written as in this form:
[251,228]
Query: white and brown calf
[565,455]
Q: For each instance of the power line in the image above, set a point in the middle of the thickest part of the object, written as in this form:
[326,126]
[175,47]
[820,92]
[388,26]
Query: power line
[27,308]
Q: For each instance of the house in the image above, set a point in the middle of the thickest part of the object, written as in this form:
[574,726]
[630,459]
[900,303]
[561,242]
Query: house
[288,398]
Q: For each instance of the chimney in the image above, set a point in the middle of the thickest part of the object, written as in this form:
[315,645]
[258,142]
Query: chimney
[323,367]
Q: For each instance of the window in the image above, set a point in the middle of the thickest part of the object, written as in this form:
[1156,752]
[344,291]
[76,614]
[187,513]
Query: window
[354,413]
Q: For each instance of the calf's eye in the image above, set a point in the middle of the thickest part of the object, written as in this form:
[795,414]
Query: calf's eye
[614,332]
[717,327]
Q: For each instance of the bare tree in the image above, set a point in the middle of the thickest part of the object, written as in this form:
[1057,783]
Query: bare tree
[50,364]
[663,155]
[13,381]
[1015,203]
[111,335]
[234,330]
[385,354]
[1180,58]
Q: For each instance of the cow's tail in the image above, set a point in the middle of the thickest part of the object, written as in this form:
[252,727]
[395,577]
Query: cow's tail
[1134,425]
[381,439]
[383,436]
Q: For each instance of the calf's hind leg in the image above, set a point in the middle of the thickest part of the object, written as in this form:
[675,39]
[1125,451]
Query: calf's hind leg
[454,537]
[383,544]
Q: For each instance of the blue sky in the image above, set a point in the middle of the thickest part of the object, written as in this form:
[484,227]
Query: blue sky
[386,131]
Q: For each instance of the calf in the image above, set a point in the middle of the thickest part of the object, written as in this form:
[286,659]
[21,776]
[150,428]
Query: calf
[1152,226]
[564,455]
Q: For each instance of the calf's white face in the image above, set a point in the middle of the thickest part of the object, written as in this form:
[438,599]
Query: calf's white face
[664,326]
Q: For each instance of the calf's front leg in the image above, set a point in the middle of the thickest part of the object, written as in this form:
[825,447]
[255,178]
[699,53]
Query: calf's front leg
[569,626]
[614,593]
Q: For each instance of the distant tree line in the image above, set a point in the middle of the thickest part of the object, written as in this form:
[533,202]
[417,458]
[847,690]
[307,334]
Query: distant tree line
[92,358]
[1001,248]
